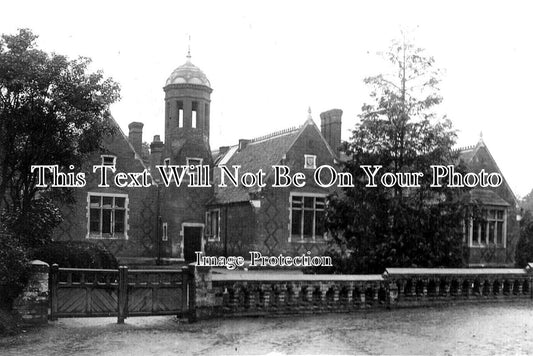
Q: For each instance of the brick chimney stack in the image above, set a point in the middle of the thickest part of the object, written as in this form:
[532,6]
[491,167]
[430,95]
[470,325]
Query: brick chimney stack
[136,136]
[331,126]
[156,152]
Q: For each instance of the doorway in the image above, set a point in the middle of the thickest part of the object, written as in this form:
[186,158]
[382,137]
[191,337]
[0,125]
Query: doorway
[192,242]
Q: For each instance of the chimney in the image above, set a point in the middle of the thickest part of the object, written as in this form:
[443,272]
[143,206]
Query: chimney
[331,126]
[243,143]
[156,151]
[222,150]
[136,136]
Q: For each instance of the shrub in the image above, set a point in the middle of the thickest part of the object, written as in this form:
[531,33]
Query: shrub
[13,269]
[75,254]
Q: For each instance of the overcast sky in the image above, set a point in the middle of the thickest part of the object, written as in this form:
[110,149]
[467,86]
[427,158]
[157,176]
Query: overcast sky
[268,61]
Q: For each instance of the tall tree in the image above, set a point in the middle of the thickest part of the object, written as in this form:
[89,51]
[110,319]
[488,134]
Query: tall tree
[400,226]
[53,112]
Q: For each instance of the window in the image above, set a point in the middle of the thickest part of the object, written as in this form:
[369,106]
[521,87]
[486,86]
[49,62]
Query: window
[108,160]
[489,228]
[179,107]
[307,217]
[212,224]
[164,236]
[108,215]
[309,161]
[194,114]
[195,163]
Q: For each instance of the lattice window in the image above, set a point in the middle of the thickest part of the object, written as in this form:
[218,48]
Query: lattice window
[489,228]
[307,217]
[108,216]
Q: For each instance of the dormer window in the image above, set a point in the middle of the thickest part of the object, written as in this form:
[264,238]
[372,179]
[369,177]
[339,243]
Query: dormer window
[309,161]
[109,160]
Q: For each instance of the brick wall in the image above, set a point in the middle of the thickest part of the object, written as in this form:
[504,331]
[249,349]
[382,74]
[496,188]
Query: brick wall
[141,221]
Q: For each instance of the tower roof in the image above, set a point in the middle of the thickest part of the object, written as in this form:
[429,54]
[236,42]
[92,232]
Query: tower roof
[188,73]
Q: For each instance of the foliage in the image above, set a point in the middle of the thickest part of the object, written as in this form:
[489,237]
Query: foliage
[13,268]
[52,111]
[75,254]
[375,228]
[33,228]
[524,247]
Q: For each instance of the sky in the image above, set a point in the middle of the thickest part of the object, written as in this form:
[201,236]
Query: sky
[269,61]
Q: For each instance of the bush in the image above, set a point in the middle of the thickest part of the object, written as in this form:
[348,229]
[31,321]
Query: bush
[75,254]
[32,227]
[13,269]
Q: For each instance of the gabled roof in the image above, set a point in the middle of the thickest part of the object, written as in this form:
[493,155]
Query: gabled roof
[259,153]
[467,154]
[119,134]
[486,197]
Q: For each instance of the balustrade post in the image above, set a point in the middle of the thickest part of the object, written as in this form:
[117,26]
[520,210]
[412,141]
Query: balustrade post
[349,296]
[281,299]
[489,289]
[251,297]
[362,295]
[266,289]
[447,288]
[294,294]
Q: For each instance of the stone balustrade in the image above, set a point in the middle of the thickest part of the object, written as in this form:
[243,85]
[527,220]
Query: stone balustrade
[281,293]
[253,293]
[425,286]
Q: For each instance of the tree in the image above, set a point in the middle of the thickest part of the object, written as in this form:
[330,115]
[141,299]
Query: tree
[399,226]
[53,112]
[524,247]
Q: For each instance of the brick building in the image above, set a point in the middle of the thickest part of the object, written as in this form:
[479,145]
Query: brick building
[142,225]
[492,238]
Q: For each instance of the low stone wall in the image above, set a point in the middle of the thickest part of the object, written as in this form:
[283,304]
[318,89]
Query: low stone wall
[32,304]
[253,293]
[429,286]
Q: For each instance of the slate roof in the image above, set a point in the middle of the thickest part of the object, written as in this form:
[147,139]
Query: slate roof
[259,153]
[486,197]
[467,153]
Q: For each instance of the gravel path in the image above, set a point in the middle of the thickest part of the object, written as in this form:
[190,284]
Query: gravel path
[487,329]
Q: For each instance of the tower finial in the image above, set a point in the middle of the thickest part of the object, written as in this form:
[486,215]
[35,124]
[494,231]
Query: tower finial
[309,116]
[189,49]
[480,136]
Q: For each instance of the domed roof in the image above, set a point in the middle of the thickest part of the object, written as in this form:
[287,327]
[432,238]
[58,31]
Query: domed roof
[188,73]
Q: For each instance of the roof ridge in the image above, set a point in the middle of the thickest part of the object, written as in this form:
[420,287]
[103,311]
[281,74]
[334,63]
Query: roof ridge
[465,148]
[275,134]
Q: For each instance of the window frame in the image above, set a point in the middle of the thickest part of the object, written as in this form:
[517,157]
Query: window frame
[212,236]
[103,157]
[113,235]
[301,237]
[483,227]
[309,166]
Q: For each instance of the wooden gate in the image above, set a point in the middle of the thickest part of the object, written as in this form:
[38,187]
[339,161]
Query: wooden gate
[79,292]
